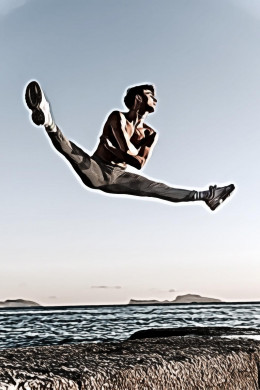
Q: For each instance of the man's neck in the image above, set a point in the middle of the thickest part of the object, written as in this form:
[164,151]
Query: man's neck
[136,117]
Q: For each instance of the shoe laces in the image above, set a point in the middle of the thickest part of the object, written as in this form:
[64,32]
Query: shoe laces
[212,190]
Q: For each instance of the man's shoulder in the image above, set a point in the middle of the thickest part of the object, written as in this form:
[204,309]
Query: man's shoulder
[116,116]
[117,113]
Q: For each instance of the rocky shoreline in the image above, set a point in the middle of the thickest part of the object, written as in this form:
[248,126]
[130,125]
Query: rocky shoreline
[177,362]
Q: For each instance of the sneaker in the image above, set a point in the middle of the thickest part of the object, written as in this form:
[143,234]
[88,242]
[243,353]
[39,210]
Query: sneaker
[218,195]
[35,100]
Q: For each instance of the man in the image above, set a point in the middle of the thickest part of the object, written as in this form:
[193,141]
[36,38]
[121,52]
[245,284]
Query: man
[126,139]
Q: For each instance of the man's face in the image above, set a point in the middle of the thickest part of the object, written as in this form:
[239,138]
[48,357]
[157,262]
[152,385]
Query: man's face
[149,100]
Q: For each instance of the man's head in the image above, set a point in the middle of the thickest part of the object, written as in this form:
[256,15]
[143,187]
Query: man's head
[144,94]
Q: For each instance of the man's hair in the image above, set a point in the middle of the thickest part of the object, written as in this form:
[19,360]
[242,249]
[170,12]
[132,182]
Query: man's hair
[131,93]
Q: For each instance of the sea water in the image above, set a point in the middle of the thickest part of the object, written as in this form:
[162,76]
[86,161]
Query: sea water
[24,327]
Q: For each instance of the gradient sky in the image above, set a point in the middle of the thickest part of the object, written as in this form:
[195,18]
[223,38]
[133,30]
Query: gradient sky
[60,242]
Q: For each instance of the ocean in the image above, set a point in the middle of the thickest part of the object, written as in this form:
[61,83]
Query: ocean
[24,327]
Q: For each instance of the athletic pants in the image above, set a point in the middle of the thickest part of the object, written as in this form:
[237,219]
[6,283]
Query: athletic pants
[97,174]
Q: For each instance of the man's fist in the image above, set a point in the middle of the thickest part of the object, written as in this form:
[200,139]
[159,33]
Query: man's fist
[150,139]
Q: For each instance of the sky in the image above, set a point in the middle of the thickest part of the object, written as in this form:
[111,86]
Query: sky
[62,243]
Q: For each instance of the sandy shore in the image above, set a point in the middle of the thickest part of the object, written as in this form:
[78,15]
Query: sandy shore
[161,363]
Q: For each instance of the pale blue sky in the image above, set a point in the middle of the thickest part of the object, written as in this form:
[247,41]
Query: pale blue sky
[60,239]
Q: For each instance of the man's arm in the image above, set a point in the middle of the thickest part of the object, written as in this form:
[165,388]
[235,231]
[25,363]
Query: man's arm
[146,148]
[135,155]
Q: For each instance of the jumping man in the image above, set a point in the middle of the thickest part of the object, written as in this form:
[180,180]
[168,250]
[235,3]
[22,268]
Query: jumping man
[126,139]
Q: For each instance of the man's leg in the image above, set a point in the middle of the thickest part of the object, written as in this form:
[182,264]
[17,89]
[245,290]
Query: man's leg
[87,168]
[132,184]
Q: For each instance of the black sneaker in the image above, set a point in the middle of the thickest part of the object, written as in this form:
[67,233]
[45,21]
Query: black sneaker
[218,195]
[37,103]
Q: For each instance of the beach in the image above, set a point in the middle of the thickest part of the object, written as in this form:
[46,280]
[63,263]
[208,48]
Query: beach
[157,363]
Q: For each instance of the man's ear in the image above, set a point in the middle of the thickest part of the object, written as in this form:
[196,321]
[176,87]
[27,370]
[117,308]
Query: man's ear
[138,102]
[139,98]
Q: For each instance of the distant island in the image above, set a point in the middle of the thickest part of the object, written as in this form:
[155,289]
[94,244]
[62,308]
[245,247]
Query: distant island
[187,298]
[18,303]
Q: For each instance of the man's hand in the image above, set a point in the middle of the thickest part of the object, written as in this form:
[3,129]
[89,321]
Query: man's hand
[150,139]
[149,136]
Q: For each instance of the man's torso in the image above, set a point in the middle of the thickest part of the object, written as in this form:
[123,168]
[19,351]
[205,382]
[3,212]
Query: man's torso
[108,149]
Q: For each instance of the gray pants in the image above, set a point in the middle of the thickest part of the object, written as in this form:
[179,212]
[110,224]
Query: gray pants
[97,174]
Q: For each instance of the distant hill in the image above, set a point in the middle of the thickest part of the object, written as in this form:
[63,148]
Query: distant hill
[190,298]
[18,303]
[143,302]
[187,298]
